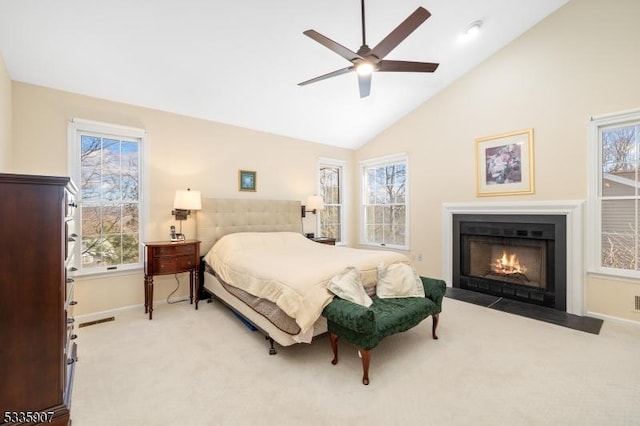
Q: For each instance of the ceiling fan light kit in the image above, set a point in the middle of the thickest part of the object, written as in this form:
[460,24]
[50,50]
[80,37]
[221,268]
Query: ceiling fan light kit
[366,60]
[365,68]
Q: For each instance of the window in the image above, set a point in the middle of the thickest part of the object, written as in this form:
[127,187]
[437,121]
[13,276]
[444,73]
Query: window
[331,189]
[108,166]
[384,198]
[614,194]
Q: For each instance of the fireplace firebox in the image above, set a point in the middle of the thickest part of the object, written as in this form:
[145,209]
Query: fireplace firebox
[521,257]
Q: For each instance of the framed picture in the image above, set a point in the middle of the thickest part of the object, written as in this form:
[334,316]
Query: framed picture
[246,180]
[505,164]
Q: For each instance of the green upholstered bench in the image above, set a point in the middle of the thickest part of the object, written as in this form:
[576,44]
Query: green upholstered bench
[366,327]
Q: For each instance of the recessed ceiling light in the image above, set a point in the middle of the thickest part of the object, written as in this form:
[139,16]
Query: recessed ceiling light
[472,30]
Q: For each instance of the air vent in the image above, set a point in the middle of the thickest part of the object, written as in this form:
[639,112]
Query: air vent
[100,321]
[638,303]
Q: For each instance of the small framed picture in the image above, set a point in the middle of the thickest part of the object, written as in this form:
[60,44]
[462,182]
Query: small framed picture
[505,164]
[246,180]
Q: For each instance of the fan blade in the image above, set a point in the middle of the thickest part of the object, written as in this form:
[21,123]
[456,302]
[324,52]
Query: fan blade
[401,32]
[329,75]
[406,66]
[348,54]
[364,83]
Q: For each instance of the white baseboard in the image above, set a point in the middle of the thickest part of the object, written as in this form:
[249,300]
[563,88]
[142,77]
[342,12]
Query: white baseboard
[612,319]
[96,316]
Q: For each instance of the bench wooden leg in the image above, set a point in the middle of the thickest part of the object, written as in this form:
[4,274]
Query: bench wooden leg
[435,318]
[334,346]
[366,358]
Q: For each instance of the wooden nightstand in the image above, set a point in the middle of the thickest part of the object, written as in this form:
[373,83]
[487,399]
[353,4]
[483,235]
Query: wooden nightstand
[325,240]
[167,257]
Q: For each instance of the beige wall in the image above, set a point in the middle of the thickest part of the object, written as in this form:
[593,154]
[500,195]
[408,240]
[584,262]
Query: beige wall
[581,61]
[182,153]
[5,118]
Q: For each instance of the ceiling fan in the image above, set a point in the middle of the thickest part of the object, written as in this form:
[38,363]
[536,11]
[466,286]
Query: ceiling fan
[366,60]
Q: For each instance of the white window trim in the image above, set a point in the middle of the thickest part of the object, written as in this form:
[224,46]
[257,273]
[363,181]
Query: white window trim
[594,177]
[73,150]
[342,164]
[378,162]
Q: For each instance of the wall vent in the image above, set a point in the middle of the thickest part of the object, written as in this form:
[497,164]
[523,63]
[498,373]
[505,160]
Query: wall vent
[100,321]
[638,303]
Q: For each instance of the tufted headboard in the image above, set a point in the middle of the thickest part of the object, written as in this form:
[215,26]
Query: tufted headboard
[220,216]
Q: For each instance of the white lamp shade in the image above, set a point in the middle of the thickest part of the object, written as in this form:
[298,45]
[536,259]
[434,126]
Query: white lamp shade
[187,200]
[315,202]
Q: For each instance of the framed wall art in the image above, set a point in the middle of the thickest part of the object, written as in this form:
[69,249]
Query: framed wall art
[247,180]
[505,164]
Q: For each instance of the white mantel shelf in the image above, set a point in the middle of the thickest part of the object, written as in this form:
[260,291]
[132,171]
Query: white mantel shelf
[571,209]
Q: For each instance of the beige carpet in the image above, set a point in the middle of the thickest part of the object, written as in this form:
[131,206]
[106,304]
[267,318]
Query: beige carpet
[204,367]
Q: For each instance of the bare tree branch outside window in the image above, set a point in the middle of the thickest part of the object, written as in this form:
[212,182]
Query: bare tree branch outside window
[385,204]
[109,203]
[620,210]
[330,190]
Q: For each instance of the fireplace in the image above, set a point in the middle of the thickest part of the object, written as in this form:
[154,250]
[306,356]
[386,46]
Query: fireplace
[516,256]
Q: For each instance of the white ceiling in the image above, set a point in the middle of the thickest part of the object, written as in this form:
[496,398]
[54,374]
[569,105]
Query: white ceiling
[239,61]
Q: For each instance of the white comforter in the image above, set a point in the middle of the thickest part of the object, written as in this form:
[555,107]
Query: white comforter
[291,270]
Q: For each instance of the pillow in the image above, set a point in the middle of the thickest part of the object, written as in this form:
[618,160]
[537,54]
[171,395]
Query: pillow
[348,285]
[398,280]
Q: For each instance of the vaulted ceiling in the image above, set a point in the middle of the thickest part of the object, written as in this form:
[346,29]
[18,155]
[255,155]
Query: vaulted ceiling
[240,62]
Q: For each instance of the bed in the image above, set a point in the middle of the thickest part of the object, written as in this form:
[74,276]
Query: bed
[258,263]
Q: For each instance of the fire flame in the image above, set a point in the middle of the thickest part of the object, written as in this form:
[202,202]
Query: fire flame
[508,264]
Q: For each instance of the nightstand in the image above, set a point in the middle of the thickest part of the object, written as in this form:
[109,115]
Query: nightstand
[325,240]
[168,257]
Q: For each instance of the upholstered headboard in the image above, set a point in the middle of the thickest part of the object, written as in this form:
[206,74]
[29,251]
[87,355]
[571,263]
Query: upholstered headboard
[220,216]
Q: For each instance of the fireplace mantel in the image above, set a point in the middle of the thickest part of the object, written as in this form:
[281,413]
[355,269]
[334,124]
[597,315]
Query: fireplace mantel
[572,209]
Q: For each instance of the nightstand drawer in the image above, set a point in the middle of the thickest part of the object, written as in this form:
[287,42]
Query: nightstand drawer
[171,265]
[174,250]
